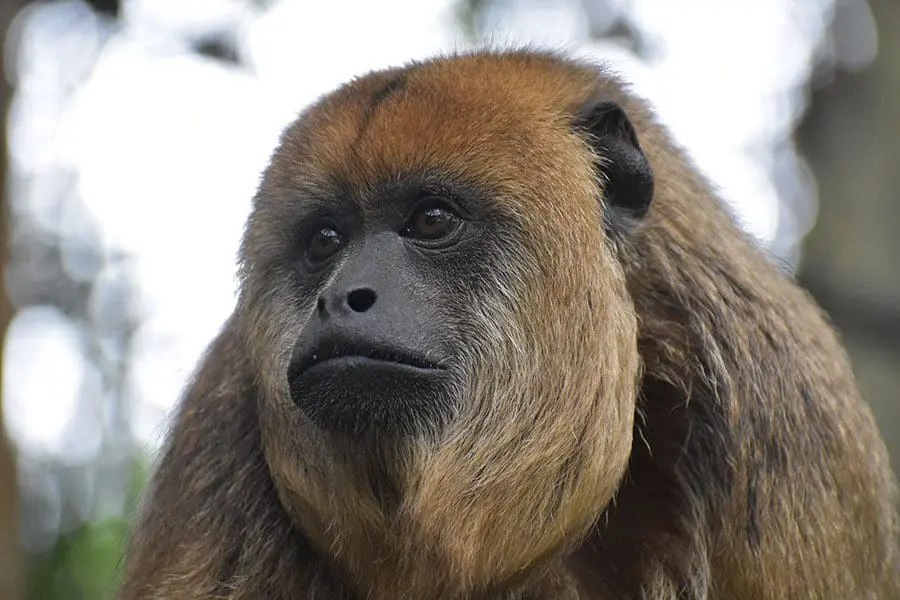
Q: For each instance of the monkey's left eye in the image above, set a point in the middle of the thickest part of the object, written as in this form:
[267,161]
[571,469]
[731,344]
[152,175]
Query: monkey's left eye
[323,244]
[431,222]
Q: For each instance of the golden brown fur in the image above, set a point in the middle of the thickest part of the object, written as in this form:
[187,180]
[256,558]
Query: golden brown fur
[655,415]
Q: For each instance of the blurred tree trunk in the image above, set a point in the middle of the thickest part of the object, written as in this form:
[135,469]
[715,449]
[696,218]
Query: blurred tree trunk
[851,136]
[10,557]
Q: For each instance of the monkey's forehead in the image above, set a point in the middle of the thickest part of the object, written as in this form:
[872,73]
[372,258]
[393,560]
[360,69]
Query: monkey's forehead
[491,116]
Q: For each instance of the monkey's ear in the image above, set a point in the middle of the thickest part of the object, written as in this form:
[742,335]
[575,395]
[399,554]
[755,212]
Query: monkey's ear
[623,168]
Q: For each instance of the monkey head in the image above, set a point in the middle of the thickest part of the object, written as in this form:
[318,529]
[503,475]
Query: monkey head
[438,316]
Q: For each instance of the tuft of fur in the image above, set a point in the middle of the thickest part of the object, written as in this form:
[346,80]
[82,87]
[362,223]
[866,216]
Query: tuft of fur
[653,416]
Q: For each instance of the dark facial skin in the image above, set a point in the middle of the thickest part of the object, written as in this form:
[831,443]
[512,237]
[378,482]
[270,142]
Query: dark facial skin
[374,356]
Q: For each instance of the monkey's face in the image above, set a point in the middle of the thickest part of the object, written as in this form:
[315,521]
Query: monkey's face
[388,275]
[430,293]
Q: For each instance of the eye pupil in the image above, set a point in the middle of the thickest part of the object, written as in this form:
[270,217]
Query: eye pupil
[432,223]
[324,243]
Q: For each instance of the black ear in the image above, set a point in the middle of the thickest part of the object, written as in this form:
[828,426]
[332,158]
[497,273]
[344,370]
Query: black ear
[623,168]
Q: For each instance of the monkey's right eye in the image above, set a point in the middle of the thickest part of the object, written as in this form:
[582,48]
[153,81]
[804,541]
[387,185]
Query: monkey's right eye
[323,244]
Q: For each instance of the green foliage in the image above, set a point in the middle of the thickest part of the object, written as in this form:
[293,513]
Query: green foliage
[84,564]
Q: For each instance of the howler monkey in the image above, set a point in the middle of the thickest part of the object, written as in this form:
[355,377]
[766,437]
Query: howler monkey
[497,338]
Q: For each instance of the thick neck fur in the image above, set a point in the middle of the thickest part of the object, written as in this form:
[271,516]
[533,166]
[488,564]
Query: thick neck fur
[470,495]
[249,548]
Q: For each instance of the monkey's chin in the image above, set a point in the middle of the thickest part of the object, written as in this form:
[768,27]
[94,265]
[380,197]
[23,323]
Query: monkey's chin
[358,395]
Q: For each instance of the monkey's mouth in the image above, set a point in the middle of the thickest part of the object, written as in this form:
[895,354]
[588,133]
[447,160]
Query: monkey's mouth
[355,386]
[337,353]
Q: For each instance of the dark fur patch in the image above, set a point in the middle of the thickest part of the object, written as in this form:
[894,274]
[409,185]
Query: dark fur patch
[754,535]
[392,85]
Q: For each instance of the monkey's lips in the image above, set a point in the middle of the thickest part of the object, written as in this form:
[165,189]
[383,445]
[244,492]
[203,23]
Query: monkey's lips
[360,388]
[360,357]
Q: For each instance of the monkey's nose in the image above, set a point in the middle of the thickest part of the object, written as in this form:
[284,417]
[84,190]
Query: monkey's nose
[361,299]
[357,300]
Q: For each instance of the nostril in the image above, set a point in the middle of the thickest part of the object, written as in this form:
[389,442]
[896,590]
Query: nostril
[362,299]
[320,306]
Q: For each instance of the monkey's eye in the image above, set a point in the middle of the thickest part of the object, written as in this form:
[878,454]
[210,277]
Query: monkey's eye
[323,244]
[431,222]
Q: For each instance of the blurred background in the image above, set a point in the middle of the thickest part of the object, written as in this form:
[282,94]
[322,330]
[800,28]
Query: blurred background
[134,133]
